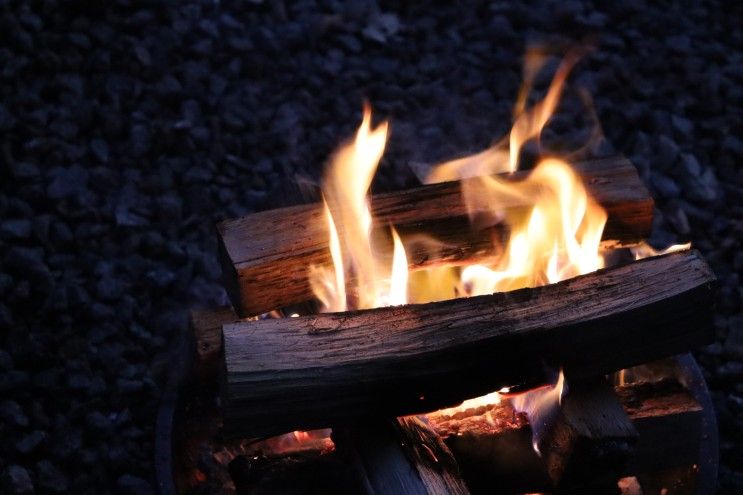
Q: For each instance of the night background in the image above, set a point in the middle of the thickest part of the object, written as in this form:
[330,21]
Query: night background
[128,129]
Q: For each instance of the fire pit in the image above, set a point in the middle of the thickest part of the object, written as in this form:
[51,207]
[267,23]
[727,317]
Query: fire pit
[526,296]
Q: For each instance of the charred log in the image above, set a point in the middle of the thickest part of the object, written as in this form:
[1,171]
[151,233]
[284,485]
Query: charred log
[400,457]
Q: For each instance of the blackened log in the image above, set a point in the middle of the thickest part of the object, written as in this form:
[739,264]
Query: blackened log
[313,371]
[400,457]
[265,256]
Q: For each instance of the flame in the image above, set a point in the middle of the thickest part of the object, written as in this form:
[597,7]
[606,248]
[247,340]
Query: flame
[528,124]
[540,406]
[559,238]
[645,250]
[347,210]
[491,399]
[554,227]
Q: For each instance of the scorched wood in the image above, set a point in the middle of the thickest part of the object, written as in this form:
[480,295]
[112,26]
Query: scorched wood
[403,456]
[589,436]
[493,446]
[265,256]
[319,370]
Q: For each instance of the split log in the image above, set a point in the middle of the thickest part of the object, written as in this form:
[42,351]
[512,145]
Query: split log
[313,371]
[589,436]
[265,255]
[400,457]
[493,445]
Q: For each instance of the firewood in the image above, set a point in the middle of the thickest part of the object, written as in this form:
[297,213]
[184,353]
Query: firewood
[589,437]
[313,371]
[400,457]
[493,445]
[265,256]
[206,338]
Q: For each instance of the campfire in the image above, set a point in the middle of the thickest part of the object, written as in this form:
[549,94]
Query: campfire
[492,327]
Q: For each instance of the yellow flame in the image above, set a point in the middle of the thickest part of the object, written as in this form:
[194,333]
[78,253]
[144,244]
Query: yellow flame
[528,124]
[559,238]
[347,211]
[645,250]
[330,286]
[491,399]
[398,291]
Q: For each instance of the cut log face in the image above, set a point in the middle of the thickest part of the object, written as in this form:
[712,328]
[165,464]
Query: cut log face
[314,371]
[265,256]
[206,336]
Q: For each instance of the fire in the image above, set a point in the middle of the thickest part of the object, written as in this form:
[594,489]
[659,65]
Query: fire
[540,406]
[556,237]
[347,210]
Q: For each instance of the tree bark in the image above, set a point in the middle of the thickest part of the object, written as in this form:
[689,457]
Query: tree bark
[265,256]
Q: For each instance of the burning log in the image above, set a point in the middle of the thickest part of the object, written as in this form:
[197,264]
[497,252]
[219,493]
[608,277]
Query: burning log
[494,446]
[401,457]
[312,371]
[265,256]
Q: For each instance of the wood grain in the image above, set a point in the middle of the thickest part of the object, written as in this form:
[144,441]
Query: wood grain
[265,256]
[319,370]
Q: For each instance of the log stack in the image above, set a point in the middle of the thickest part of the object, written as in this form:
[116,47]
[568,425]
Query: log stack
[364,372]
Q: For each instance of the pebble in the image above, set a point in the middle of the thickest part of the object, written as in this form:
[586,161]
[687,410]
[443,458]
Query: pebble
[128,484]
[667,152]
[51,478]
[12,413]
[16,481]
[30,442]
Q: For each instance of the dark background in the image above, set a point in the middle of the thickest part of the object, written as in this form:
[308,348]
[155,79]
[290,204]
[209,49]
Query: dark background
[127,129]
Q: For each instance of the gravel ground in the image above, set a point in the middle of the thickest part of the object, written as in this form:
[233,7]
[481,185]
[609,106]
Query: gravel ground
[129,128]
